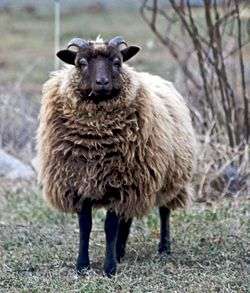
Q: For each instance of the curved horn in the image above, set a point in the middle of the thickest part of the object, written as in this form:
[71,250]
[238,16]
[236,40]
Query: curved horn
[117,41]
[78,42]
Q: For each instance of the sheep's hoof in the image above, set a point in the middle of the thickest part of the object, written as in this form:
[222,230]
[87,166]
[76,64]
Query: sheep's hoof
[82,268]
[164,249]
[110,269]
[120,253]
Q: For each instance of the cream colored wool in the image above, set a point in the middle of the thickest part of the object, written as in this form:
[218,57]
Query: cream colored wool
[141,143]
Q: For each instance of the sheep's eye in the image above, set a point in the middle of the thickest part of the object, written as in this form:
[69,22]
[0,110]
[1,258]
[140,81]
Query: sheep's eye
[83,62]
[117,63]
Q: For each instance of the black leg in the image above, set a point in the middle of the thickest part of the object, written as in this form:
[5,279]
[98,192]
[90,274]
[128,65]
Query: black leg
[111,229]
[123,232]
[85,225]
[164,245]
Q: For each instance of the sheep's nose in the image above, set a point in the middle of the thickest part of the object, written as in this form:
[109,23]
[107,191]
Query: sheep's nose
[102,81]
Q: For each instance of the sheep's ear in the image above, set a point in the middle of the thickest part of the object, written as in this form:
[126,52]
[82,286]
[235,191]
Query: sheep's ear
[129,52]
[67,56]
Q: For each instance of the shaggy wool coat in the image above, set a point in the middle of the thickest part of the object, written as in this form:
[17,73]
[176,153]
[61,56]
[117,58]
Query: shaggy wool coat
[127,154]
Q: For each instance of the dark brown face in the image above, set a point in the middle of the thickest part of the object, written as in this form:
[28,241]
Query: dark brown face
[100,67]
[101,72]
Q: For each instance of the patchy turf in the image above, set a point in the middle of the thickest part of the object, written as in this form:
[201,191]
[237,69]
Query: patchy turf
[38,248]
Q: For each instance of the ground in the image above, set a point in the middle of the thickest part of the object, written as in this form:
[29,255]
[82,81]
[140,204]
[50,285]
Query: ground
[38,248]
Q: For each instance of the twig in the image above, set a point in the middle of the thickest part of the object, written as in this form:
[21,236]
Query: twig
[242,68]
[170,44]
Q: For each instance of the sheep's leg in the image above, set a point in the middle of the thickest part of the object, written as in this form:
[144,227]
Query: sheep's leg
[111,229]
[85,225]
[122,237]
[164,245]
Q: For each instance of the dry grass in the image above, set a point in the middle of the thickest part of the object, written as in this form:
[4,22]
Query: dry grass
[38,249]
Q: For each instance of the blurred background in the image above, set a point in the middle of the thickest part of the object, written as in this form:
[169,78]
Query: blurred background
[202,46]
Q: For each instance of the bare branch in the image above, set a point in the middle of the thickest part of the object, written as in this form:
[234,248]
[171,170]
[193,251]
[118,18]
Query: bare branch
[242,68]
[209,44]
[170,44]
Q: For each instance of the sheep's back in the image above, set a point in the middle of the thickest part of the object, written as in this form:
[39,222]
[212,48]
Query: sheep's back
[176,140]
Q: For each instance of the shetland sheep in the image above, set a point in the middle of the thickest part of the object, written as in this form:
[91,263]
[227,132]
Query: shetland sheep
[116,138]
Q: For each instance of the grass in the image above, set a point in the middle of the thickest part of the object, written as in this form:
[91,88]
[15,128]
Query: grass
[38,248]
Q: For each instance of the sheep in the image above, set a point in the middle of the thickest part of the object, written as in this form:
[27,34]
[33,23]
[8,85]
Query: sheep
[112,137]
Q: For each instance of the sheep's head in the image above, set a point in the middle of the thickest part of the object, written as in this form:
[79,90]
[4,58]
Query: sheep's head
[99,64]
